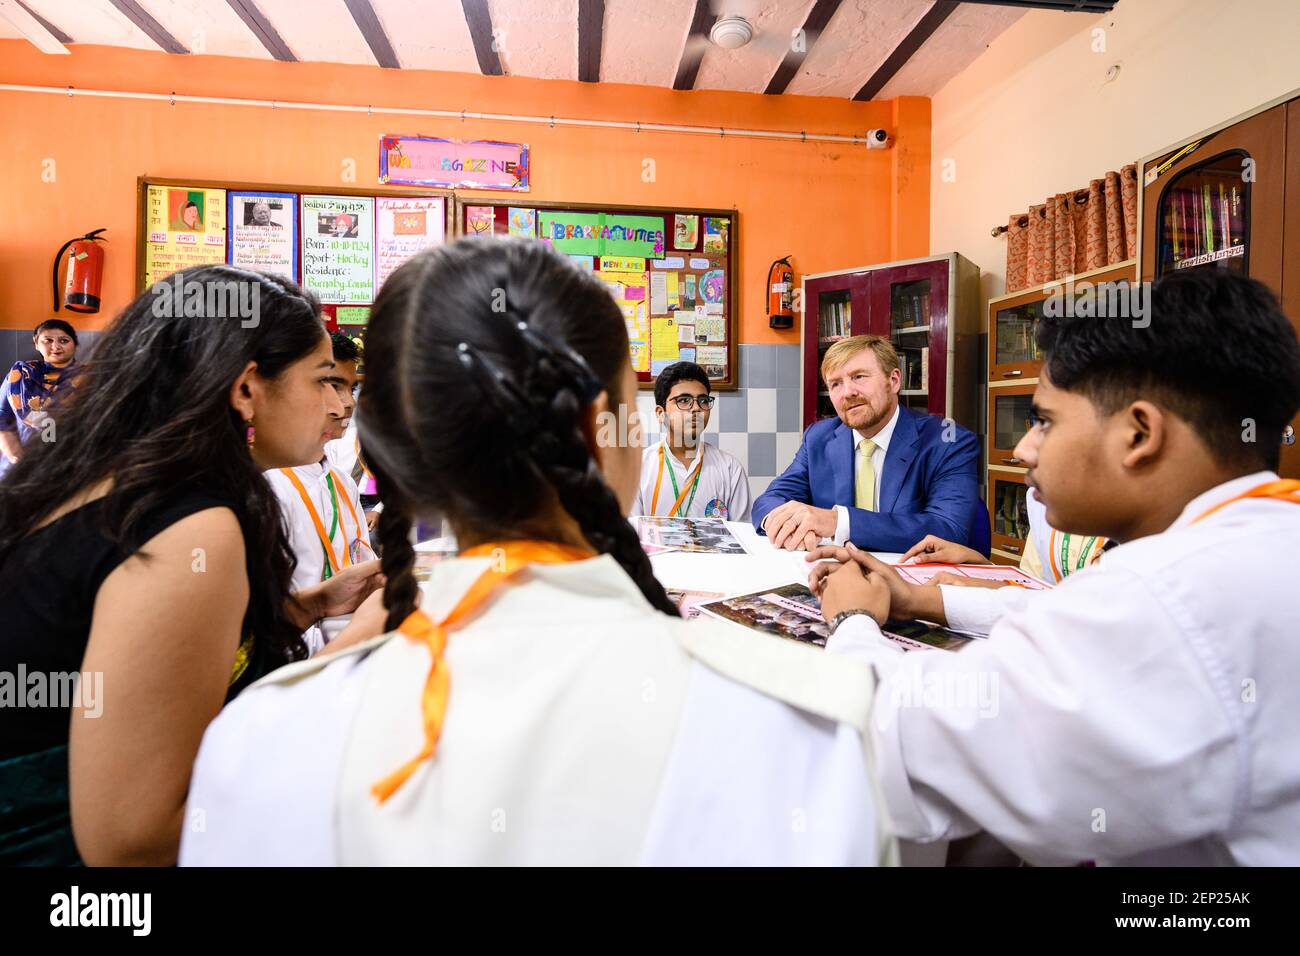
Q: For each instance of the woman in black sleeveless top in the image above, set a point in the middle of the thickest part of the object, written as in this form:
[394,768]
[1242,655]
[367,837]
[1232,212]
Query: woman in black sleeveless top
[144,569]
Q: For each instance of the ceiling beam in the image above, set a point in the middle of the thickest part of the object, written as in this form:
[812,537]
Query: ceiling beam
[479,21]
[903,52]
[13,10]
[373,31]
[262,29]
[147,25]
[1065,6]
[818,17]
[591,31]
[696,43]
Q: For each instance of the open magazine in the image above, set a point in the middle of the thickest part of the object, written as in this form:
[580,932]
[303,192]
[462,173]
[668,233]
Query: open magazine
[793,612]
[922,573]
[699,535]
[688,602]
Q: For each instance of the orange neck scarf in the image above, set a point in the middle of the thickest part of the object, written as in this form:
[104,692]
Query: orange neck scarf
[1284,489]
[508,559]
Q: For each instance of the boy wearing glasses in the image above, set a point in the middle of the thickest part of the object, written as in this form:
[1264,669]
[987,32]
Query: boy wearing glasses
[681,476]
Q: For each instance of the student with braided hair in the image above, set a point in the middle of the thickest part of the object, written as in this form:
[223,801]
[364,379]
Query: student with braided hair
[539,700]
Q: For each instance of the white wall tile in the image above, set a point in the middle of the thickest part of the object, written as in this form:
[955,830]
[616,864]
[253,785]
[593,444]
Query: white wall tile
[737,445]
[787,443]
[757,486]
[762,409]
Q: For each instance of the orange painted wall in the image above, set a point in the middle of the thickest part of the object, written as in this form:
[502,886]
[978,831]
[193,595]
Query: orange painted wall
[831,206]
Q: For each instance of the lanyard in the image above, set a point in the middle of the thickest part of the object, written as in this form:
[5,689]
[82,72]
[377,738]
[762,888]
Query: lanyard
[1065,554]
[692,485]
[332,563]
[1284,489]
[508,559]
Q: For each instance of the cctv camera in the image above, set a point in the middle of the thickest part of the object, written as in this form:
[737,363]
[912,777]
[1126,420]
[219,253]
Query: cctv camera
[877,139]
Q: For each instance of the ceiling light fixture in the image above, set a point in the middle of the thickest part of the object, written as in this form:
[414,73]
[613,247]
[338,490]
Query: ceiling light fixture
[731,33]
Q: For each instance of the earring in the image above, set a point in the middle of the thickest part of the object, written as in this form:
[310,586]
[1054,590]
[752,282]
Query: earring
[250,433]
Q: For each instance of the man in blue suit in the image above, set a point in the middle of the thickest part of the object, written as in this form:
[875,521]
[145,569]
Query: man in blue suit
[880,475]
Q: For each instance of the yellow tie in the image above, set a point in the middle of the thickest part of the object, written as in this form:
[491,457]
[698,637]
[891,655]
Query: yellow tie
[865,492]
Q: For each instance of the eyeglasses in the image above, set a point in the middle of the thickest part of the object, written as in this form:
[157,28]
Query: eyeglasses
[684,402]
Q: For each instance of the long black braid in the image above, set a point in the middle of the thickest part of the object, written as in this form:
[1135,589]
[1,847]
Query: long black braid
[555,442]
[483,358]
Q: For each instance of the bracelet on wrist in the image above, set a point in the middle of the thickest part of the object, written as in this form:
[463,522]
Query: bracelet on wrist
[843,616]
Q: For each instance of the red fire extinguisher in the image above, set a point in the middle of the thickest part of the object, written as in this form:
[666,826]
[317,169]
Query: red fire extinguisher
[780,294]
[85,273]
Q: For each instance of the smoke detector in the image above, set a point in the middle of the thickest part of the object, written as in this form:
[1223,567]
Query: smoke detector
[730,33]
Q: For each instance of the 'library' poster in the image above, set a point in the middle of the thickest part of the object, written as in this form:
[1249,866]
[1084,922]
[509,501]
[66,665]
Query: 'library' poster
[338,248]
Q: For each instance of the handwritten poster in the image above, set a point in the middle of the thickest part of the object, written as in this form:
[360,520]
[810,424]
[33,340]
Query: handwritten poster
[184,226]
[522,222]
[629,291]
[658,293]
[263,232]
[404,227]
[338,247]
[664,347]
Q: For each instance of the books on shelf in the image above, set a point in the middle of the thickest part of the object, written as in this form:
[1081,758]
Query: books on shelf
[834,319]
[914,368]
[910,309]
[1205,222]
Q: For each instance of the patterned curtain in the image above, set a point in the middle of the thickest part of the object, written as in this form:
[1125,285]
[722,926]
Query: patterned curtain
[1074,232]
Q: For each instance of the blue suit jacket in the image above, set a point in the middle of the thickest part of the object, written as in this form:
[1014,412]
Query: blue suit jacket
[929,486]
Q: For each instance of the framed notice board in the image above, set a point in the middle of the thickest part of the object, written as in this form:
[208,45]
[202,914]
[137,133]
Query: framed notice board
[339,243]
[671,271]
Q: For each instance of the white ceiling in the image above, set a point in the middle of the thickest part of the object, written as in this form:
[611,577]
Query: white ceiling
[643,40]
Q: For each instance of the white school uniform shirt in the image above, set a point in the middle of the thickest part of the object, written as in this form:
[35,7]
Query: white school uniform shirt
[304,541]
[723,491]
[341,453]
[882,439]
[582,727]
[1142,712]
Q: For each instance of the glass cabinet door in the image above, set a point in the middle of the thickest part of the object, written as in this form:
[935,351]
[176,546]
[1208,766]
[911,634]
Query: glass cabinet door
[836,308]
[1015,347]
[1008,422]
[1008,511]
[909,306]
[1204,217]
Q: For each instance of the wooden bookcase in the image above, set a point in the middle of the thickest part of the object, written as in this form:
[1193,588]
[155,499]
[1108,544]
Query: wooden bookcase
[1013,367]
[928,308]
[1229,198]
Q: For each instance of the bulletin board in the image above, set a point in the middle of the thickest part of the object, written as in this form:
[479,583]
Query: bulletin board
[339,243]
[671,271]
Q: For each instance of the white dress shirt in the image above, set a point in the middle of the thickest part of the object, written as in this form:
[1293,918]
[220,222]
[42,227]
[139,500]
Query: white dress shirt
[1143,711]
[723,491]
[304,540]
[881,438]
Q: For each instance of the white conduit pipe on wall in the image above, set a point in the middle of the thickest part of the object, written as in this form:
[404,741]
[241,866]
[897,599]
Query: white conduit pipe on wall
[174,98]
